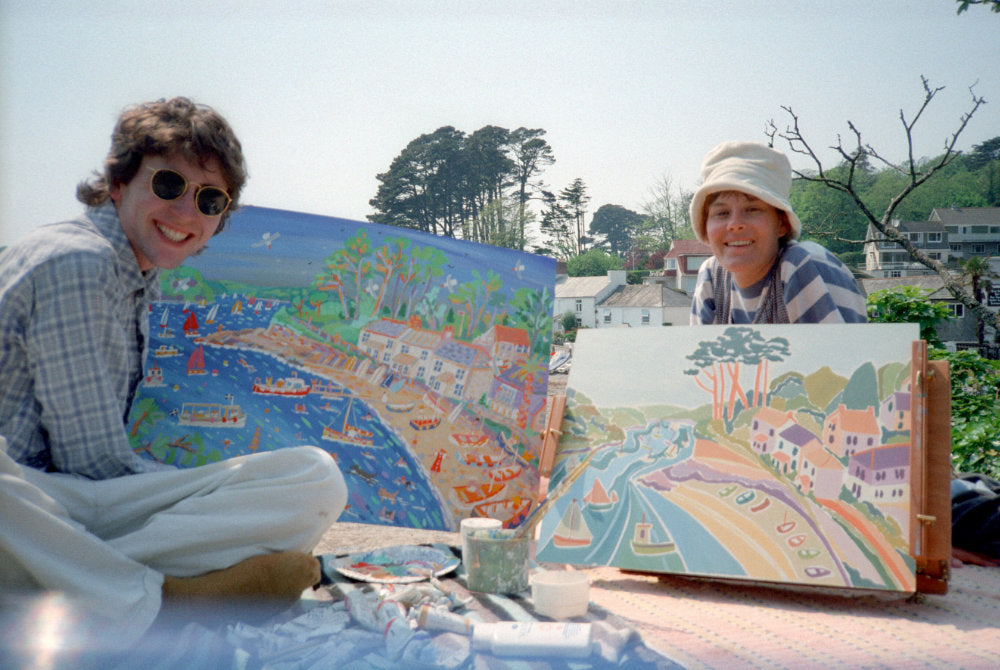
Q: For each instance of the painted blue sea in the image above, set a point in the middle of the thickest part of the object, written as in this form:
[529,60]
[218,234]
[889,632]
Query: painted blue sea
[387,485]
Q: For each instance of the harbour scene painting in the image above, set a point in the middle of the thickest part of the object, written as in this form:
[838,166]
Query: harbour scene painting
[420,363]
[767,453]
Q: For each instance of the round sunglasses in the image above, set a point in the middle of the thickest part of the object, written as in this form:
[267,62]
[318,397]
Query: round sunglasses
[169,185]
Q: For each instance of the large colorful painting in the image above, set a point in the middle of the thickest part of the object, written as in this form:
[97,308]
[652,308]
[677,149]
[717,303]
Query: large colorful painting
[769,453]
[418,362]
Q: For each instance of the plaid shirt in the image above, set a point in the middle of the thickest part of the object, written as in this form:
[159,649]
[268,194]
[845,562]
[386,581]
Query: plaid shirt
[73,328]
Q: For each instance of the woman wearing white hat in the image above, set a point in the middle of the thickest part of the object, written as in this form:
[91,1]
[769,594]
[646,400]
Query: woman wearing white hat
[759,271]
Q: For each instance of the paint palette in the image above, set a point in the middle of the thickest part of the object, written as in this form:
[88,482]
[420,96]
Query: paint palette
[399,564]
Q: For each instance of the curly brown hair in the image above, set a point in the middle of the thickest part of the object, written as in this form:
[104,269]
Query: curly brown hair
[175,126]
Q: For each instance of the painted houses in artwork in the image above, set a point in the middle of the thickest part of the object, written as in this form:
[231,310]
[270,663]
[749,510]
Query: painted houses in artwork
[881,476]
[849,455]
[894,411]
[820,472]
[847,431]
[507,346]
[766,425]
[463,371]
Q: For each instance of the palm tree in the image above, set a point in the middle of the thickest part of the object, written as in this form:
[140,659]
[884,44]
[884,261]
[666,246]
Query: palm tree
[977,270]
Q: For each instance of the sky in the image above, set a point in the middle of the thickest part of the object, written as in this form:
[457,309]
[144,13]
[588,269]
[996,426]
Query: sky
[324,95]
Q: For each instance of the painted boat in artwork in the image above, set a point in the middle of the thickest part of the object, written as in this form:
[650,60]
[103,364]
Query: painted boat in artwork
[426,423]
[191,325]
[155,377]
[293,386]
[572,530]
[476,491]
[348,433]
[643,544]
[211,415]
[196,361]
[598,500]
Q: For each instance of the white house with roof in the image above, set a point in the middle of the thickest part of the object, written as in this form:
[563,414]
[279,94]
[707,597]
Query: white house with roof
[581,295]
[643,305]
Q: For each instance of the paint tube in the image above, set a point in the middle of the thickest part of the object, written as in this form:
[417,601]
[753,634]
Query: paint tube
[533,638]
[429,617]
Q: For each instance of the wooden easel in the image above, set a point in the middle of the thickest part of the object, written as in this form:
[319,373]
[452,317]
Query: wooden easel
[930,466]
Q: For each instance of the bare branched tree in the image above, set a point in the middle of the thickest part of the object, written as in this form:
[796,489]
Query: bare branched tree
[916,174]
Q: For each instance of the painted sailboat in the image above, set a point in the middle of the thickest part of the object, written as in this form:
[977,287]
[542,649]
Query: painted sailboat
[191,325]
[572,530]
[196,361]
[165,331]
[598,500]
[642,542]
[348,434]
[212,313]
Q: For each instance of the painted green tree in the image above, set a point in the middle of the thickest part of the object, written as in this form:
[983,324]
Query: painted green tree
[720,362]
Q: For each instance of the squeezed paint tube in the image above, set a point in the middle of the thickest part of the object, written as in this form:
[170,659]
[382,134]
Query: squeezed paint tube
[429,617]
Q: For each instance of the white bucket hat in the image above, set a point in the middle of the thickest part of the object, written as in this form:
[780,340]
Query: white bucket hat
[755,169]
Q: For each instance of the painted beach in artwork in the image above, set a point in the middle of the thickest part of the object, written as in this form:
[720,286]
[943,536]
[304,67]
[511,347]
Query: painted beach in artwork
[420,363]
[767,453]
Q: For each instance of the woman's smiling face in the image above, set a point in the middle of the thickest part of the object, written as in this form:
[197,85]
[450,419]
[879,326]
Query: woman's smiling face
[745,234]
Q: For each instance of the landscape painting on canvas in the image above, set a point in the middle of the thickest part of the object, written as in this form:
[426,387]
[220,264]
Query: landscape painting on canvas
[767,453]
[419,362]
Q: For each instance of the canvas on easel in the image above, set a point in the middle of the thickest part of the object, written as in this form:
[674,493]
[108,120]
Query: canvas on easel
[419,362]
[783,454]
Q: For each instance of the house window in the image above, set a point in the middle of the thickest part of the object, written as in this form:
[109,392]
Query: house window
[957,309]
[979,248]
[669,263]
[579,305]
[933,237]
[579,322]
[645,317]
[607,316]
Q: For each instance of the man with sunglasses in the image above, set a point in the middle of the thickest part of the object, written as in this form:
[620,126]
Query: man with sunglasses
[80,512]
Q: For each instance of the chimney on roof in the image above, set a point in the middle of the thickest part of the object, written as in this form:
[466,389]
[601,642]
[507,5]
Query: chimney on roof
[955,208]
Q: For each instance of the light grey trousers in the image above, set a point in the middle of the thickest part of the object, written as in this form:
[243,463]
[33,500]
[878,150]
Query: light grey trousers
[107,544]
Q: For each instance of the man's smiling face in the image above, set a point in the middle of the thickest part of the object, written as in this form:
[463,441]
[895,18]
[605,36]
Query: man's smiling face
[165,232]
